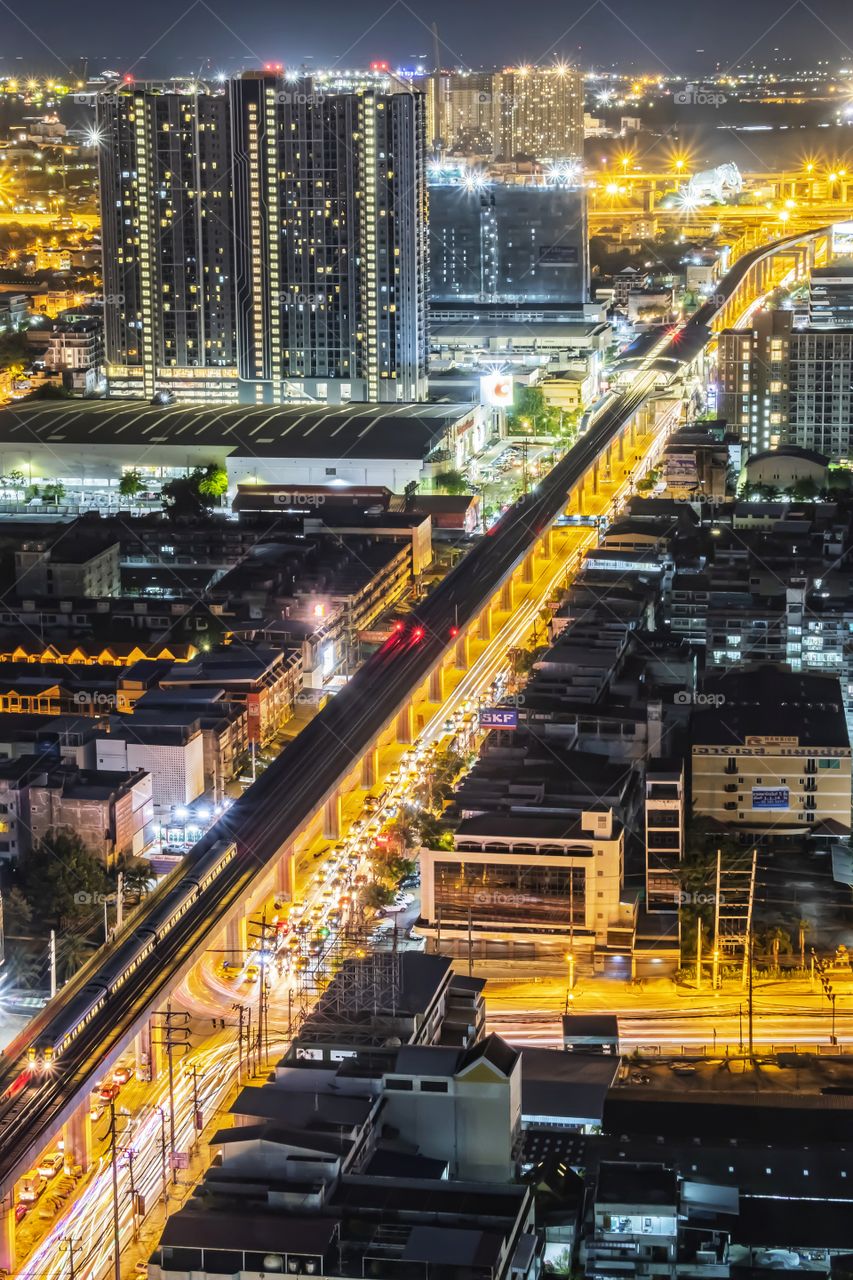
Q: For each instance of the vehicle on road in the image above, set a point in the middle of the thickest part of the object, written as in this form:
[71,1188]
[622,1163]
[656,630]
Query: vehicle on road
[31,1187]
[51,1164]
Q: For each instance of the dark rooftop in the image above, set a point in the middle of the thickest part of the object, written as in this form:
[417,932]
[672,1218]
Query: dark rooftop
[301,431]
[636,1184]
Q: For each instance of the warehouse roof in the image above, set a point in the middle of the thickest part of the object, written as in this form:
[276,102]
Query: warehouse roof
[354,430]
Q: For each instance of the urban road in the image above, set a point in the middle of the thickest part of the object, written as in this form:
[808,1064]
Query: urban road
[270,816]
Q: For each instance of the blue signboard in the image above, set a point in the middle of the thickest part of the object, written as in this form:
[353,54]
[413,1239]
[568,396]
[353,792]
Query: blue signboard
[770,798]
[499,718]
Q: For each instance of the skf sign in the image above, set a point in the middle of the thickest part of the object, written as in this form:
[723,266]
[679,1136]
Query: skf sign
[496,390]
[499,718]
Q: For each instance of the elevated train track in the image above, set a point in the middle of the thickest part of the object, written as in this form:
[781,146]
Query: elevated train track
[48,1071]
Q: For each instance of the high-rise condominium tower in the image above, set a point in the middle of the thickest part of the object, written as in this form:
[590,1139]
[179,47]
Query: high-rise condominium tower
[293,216]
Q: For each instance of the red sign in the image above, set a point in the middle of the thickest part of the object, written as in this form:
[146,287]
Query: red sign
[253,707]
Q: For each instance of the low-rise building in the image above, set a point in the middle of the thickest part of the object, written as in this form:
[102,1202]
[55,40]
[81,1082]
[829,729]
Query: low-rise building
[773,755]
[110,811]
[644,1220]
[173,755]
[77,562]
[76,351]
[526,887]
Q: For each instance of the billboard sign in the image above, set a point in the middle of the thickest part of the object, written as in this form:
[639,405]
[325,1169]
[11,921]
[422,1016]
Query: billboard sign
[499,718]
[558,255]
[496,390]
[770,798]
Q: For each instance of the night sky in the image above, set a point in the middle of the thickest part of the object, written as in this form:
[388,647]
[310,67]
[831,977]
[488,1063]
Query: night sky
[157,37]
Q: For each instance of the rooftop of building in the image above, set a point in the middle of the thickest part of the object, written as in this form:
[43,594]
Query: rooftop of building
[515,826]
[789,451]
[405,431]
[768,701]
[640,1184]
[565,1087]
[438,1060]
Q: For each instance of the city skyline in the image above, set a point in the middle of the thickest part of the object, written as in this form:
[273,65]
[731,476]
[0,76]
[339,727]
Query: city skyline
[664,37]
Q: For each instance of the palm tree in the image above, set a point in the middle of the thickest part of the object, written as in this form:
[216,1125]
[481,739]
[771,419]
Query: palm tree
[27,968]
[803,927]
[73,952]
[777,939]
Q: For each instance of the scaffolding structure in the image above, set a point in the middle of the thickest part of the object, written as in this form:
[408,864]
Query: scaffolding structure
[734,898]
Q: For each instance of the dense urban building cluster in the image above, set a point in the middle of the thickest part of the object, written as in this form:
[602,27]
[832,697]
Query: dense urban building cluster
[426,690]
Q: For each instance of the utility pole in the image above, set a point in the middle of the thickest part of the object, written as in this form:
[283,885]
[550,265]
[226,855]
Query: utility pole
[51,952]
[119,901]
[699,954]
[175,1026]
[197,1117]
[749,1010]
[263,937]
[163,1151]
[715,972]
[239,1009]
[114,1161]
[819,967]
[134,1199]
[70,1243]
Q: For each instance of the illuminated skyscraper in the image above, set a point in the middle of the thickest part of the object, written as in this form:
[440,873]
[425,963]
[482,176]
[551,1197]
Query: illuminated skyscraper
[538,112]
[505,243]
[167,243]
[267,243]
[331,252]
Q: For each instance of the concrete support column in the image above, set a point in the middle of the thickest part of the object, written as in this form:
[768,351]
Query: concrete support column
[77,1135]
[370,768]
[546,546]
[506,595]
[527,569]
[620,446]
[461,657]
[405,725]
[285,872]
[7,1232]
[436,683]
[144,1054]
[485,623]
[332,817]
[151,1050]
[594,476]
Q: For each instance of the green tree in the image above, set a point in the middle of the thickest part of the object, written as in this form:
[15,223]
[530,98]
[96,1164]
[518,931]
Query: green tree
[183,499]
[131,484]
[804,490]
[16,479]
[764,493]
[777,939]
[17,913]
[803,927]
[27,968]
[376,895]
[532,413]
[53,492]
[137,877]
[451,481]
[62,880]
[213,482]
[72,953]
